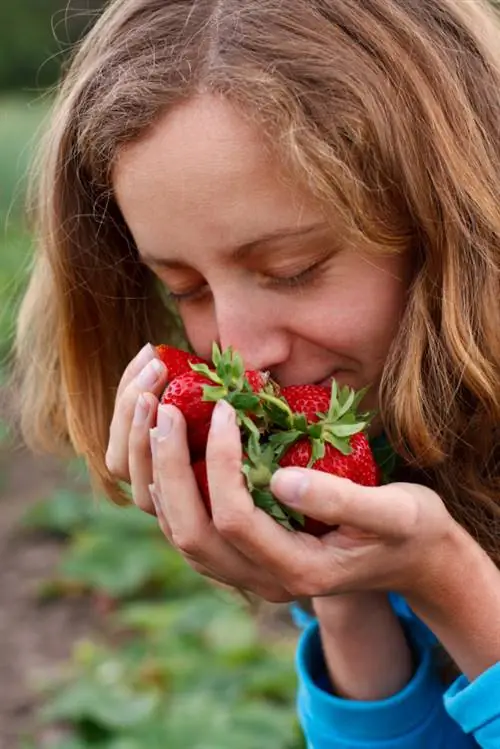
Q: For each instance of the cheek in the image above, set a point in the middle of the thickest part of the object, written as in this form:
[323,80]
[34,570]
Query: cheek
[359,321]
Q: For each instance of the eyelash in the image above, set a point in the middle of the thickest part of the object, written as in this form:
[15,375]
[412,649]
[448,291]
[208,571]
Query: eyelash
[292,282]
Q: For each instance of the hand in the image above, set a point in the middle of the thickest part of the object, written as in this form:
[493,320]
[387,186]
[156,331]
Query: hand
[128,456]
[389,538]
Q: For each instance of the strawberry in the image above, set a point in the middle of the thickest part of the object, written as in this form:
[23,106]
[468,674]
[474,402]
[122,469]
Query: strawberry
[176,360]
[308,400]
[200,473]
[196,392]
[325,433]
[186,393]
[358,465]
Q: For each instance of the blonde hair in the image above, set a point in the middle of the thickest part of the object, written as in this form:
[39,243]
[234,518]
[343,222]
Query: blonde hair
[388,110]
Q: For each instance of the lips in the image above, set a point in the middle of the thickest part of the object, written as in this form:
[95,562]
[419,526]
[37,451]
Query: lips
[327,382]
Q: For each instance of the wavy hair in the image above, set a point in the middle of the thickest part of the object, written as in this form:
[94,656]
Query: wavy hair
[387,110]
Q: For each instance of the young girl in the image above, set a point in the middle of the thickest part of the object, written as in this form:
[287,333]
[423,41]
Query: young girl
[315,183]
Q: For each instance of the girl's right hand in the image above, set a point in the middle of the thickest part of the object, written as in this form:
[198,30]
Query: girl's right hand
[128,456]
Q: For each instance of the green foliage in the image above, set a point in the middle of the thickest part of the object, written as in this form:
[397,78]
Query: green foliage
[35,38]
[185,666]
[20,119]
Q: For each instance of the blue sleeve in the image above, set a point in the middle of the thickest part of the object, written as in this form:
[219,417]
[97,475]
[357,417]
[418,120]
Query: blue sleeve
[418,717]
[475,706]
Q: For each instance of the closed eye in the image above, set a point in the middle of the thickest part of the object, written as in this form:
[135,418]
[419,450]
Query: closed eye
[275,282]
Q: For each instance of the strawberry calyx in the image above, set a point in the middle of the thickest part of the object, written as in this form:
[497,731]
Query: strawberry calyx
[259,465]
[335,427]
[230,381]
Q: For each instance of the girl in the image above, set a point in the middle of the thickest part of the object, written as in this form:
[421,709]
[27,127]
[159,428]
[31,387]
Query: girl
[315,183]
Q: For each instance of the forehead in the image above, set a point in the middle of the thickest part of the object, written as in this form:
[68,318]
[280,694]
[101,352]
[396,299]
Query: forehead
[204,170]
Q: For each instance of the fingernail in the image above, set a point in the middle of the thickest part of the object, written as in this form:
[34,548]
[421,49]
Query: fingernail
[289,485]
[153,434]
[146,353]
[151,374]
[141,412]
[164,422]
[223,415]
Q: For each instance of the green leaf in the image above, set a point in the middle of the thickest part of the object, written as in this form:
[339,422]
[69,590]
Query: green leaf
[216,354]
[348,402]
[205,370]
[285,439]
[340,444]
[116,707]
[346,430]
[213,394]
[64,512]
[244,401]
[118,568]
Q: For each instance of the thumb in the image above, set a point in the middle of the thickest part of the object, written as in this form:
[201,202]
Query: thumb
[389,510]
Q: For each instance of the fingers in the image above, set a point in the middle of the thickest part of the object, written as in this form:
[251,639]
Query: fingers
[174,479]
[388,511]
[135,366]
[152,378]
[189,525]
[139,452]
[251,531]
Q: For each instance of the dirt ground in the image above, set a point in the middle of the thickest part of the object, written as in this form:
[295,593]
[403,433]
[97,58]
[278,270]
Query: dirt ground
[35,637]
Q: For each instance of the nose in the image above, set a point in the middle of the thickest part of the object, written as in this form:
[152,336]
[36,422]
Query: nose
[254,331]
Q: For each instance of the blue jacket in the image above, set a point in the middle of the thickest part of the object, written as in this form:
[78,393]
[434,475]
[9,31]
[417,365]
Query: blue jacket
[424,715]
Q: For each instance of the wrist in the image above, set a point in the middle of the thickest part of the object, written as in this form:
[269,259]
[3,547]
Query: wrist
[459,601]
[364,645]
[346,611]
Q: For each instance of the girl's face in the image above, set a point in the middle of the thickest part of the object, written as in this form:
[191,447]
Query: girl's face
[249,256]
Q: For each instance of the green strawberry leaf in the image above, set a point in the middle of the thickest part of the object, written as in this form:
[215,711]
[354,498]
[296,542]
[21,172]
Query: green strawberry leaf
[317,452]
[267,502]
[346,430]
[216,354]
[249,425]
[213,394]
[205,370]
[244,401]
[285,439]
[347,404]
[341,445]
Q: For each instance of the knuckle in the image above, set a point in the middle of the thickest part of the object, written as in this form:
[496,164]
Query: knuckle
[188,545]
[115,464]
[230,522]
[302,584]
[276,595]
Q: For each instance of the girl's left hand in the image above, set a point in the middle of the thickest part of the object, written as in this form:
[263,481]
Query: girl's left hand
[396,537]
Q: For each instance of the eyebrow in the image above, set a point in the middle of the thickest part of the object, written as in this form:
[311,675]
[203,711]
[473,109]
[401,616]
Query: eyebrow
[242,251]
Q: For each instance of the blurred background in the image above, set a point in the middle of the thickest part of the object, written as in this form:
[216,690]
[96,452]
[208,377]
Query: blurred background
[107,639]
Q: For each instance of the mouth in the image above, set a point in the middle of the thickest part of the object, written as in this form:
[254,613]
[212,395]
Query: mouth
[327,382]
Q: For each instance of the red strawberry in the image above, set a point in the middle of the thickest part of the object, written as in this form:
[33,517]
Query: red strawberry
[307,400]
[200,474]
[196,392]
[186,393]
[359,466]
[326,433]
[176,360]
